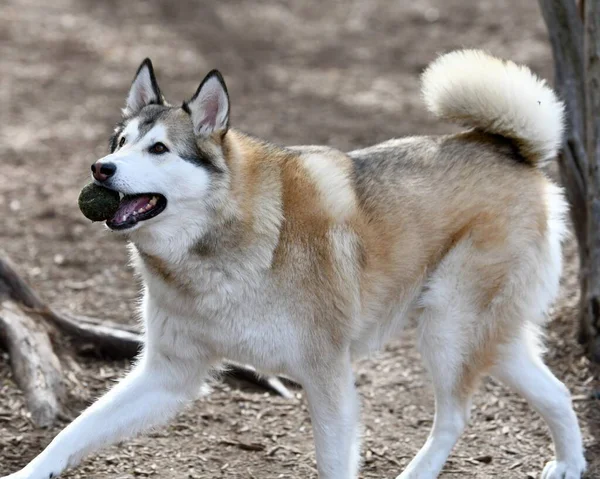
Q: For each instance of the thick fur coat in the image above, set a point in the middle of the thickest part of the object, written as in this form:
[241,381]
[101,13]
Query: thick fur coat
[299,259]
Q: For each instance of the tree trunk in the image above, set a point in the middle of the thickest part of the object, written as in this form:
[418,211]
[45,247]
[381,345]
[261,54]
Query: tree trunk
[591,300]
[26,324]
[575,45]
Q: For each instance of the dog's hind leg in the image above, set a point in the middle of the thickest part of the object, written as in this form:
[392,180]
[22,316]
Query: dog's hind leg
[458,338]
[454,381]
[521,368]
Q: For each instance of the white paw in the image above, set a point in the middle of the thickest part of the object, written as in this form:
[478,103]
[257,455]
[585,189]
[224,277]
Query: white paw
[29,472]
[413,474]
[564,470]
[17,475]
[22,474]
[28,475]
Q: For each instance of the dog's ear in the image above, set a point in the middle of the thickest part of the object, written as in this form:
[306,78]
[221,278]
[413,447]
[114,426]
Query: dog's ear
[144,90]
[209,107]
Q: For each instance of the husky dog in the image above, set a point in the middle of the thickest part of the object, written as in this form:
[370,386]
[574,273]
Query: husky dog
[299,259]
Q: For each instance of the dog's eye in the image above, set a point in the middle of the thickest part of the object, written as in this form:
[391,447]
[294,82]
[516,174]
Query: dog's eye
[121,141]
[158,149]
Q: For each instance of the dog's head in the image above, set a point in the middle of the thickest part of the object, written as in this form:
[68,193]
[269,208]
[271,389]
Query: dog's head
[166,161]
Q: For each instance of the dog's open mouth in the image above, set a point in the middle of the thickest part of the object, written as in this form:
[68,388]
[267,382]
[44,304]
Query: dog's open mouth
[136,208]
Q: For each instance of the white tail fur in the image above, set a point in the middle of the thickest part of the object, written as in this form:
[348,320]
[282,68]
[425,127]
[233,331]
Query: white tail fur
[498,97]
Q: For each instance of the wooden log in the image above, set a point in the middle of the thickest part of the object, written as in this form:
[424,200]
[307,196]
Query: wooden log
[36,369]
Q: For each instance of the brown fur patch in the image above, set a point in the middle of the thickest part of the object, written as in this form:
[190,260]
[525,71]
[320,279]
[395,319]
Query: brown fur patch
[246,159]
[250,175]
[310,253]
[306,222]
[480,361]
[474,369]
[229,236]
[160,268]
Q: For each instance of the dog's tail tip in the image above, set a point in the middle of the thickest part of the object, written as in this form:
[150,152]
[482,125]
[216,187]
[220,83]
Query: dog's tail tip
[496,96]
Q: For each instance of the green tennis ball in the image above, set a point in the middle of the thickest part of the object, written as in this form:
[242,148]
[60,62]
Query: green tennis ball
[98,203]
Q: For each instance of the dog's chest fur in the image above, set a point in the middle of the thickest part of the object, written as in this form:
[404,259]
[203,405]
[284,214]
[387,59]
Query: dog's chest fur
[219,310]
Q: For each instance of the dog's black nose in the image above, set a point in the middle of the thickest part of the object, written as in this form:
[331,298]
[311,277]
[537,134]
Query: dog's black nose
[103,171]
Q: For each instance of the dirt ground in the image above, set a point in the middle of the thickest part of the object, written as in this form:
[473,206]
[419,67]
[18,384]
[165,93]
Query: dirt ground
[340,73]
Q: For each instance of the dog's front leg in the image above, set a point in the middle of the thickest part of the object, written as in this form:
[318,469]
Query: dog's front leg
[149,396]
[334,409]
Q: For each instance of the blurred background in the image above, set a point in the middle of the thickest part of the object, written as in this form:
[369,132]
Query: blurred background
[342,73]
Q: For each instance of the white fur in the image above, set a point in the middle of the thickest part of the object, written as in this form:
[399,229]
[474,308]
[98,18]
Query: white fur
[130,133]
[334,410]
[334,185]
[523,370]
[549,261]
[496,96]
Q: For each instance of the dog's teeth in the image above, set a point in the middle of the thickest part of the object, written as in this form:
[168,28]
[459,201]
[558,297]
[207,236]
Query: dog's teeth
[141,210]
[153,200]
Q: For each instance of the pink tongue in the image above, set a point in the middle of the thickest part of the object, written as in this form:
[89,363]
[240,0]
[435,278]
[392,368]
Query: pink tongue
[129,205]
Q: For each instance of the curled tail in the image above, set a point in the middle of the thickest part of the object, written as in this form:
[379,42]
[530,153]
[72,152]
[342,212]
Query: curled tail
[496,96]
